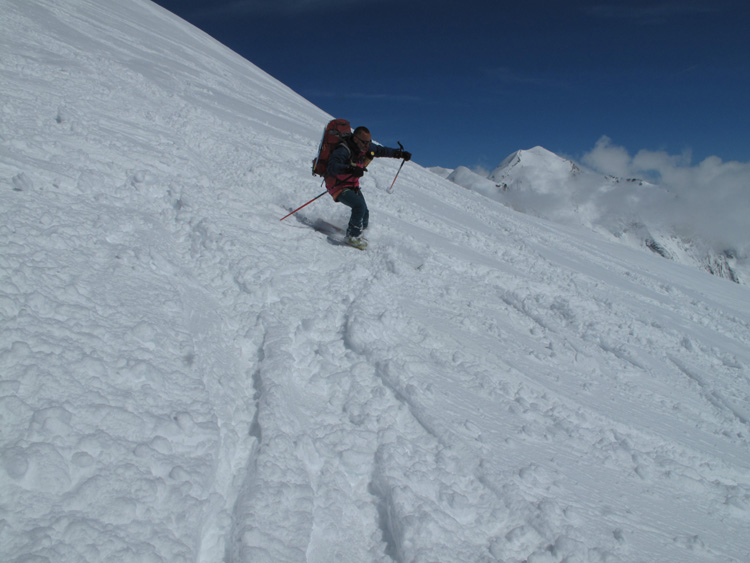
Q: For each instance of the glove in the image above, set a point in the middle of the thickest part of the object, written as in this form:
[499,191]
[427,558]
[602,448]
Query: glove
[357,172]
[406,155]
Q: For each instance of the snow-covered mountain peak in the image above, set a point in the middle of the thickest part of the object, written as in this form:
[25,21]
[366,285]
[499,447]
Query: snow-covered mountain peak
[537,168]
[633,211]
[529,157]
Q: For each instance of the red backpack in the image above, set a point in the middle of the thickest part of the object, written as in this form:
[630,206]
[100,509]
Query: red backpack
[336,132]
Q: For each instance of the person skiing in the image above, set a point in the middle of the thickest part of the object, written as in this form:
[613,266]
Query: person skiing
[346,165]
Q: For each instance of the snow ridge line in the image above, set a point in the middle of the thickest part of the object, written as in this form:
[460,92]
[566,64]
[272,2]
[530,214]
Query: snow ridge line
[713,396]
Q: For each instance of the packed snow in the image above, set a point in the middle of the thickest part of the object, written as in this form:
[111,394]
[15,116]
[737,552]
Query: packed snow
[187,378]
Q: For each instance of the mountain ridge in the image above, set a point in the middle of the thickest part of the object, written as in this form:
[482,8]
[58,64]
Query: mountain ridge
[539,182]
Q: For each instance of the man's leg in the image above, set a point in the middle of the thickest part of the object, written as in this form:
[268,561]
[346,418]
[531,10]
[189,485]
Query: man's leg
[360,214]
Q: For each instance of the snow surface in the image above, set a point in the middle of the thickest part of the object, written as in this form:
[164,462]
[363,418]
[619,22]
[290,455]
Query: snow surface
[186,378]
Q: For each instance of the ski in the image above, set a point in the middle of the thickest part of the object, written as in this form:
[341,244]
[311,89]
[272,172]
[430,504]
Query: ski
[335,234]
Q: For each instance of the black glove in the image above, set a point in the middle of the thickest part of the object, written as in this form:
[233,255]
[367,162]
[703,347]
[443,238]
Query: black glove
[357,172]
[406,155]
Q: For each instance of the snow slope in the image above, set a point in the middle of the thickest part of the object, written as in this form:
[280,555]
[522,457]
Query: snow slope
[186,378]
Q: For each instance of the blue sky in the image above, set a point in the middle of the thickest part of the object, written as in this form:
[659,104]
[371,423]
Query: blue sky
[467,83]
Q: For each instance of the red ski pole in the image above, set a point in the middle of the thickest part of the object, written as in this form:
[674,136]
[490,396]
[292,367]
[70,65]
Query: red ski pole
[301,206]
[390,190]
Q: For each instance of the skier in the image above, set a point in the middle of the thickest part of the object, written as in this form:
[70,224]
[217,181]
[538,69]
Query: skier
[346,165]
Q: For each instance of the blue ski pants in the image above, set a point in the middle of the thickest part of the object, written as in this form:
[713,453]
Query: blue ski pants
[360,214]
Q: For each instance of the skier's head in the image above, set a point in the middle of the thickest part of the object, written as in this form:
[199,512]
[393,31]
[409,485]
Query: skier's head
[362,138]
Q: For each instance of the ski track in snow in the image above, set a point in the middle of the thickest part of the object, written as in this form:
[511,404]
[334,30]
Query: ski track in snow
[185,378]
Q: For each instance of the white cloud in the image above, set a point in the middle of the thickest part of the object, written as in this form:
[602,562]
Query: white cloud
[608,159]
[710,200]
